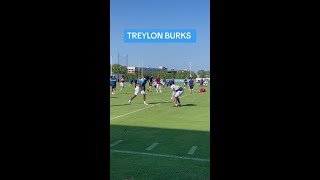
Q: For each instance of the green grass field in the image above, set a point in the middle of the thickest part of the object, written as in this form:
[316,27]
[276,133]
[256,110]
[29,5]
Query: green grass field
[155,141]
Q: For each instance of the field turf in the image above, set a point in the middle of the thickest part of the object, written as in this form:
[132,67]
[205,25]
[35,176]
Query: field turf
[159,141]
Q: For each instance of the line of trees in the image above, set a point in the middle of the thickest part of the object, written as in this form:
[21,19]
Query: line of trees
[119,69]
[203,74]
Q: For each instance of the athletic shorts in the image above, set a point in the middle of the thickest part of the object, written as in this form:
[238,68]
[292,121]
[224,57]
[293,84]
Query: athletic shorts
[113,86]
[178,93]
[137,91]
[121,84]
[191,87]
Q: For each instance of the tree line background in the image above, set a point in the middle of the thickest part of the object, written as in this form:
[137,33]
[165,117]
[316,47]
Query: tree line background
[119,69]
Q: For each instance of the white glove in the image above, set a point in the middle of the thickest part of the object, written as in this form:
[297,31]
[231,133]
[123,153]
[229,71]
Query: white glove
[171,98]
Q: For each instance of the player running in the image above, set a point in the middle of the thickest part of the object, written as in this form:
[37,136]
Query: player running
[176,92]
[140,88]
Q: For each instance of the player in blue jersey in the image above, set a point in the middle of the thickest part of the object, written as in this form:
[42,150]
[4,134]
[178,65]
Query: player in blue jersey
[185,83]
[191,84]
[113,84]
[171,82]
[140,88]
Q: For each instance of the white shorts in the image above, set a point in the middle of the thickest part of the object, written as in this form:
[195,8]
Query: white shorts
[121,84]
[178,93]
[137,91]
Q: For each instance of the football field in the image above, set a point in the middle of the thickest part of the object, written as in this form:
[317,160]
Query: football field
[159,141]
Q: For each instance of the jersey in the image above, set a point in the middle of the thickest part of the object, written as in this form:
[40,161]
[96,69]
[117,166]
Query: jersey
[191,82]
[113,81]
[142,82]
[158,80]
[122,80]
[176,88]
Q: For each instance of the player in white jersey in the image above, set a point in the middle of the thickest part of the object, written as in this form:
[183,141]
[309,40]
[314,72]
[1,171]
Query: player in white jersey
[176,92]
[140,88]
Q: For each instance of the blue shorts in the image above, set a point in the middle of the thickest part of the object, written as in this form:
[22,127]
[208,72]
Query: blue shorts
[191,87]
[113,86]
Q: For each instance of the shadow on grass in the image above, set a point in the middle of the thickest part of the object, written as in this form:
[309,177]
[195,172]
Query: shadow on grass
[121,104]
[158,102]
[188,105]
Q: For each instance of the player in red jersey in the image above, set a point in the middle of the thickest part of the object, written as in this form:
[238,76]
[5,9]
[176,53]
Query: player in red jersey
[158,86]
[121,83]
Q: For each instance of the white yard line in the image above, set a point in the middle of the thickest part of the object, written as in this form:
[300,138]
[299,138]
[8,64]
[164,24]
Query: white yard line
[152,146]
[159,155]
[111,145]
[193,149]
[144,108]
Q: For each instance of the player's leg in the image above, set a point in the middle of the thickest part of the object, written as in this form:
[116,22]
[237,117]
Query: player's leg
[113,89]
[177,95]
[144,97]
[175,102]
[178,101]
[134,96]
[136,92]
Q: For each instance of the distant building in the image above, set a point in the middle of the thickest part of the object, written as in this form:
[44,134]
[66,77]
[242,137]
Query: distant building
[183,70]
[132,70]
[146,69]
[172,71]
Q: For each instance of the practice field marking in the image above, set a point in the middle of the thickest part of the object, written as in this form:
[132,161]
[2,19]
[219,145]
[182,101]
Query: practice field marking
[193,149]
[133,112]
[111,145]
[160,155]
[143,109]
[152,146]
